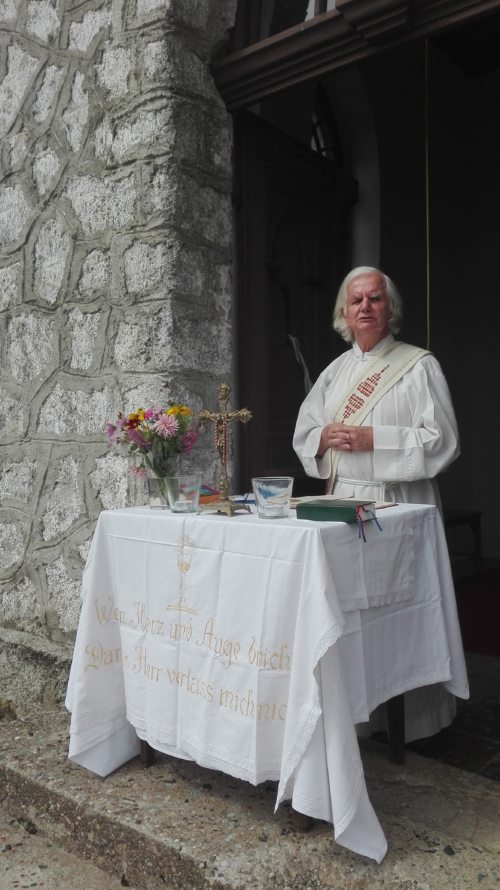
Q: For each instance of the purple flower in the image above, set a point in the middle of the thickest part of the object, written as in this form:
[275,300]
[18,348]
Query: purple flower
[136,437]
[111,432]
[166,426]
[189,440]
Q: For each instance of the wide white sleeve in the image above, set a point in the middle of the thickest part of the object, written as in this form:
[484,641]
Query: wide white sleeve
[424,439]
[310,422]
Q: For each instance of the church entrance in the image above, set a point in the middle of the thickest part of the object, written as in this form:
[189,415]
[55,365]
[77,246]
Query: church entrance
[414,90]
[293,249]
[413,187]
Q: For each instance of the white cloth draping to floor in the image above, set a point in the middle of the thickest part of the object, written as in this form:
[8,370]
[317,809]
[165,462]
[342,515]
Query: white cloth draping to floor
[254,647]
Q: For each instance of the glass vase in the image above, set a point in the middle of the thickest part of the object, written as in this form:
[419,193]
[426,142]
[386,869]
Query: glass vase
[157,490]
[156,477]
[137,494]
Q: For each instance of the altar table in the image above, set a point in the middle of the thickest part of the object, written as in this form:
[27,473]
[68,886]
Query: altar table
[255,646]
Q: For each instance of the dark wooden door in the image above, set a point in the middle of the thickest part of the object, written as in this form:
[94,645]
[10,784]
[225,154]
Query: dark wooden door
[292,209]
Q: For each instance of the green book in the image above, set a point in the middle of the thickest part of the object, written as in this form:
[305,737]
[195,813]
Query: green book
[328,509]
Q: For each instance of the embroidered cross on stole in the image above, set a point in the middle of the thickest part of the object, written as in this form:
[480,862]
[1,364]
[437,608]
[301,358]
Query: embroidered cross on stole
[375,380]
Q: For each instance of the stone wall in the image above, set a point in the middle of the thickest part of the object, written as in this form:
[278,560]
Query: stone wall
[115,265]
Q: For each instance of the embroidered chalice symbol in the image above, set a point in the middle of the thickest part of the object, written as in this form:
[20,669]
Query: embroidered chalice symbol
[185,550]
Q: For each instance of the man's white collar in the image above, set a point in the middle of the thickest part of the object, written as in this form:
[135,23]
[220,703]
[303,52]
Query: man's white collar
[382,344]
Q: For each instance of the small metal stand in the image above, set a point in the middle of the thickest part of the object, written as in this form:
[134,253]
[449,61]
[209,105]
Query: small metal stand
[221,420]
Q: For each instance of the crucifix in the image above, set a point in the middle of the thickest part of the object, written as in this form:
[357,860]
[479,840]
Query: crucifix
[221,419]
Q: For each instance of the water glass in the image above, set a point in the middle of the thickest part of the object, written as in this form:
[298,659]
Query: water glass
[272,496]
[183,493]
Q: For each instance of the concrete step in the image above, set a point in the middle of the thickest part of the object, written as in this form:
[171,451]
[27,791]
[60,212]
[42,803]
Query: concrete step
[28,859]
[177,826]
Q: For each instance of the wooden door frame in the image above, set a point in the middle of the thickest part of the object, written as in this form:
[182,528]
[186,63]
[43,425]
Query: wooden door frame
[354,30]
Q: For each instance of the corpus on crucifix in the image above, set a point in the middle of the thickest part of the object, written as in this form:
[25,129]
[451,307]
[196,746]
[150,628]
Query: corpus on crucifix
[221,420]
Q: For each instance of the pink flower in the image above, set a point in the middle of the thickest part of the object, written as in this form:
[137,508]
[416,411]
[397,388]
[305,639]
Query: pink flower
[137,471]
[166,426]
[151,413]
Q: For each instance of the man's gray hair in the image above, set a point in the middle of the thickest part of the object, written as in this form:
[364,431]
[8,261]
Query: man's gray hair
[395,302]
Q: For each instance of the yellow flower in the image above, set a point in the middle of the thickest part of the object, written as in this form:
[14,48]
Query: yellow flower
[183,410]
[136,417]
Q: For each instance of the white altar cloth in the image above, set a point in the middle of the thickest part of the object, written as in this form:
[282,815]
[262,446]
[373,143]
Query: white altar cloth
[254,647]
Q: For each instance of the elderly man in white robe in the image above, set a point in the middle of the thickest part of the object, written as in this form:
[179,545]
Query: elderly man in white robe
[408,432]
[379,424]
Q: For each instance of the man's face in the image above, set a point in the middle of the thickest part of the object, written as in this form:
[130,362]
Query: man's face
[367,310]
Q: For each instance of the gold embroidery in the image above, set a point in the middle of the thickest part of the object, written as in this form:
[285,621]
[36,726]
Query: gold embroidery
[185,551]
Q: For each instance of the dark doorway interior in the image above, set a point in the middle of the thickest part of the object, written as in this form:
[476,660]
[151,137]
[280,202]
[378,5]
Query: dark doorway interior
[293,249]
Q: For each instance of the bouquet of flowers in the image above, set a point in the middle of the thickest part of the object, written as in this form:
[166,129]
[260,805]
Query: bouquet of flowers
[156,433]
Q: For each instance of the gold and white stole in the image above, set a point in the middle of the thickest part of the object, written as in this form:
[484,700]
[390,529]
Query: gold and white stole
[376,378]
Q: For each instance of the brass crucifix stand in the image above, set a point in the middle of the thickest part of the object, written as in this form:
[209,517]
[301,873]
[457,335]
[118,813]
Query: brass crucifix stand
[220,420]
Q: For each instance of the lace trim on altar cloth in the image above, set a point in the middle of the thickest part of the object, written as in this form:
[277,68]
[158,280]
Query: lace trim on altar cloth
[210,760]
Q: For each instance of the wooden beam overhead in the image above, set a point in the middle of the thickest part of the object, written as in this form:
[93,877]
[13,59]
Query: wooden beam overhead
[354,30]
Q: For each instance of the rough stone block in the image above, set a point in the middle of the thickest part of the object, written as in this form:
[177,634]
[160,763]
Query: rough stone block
[204,138]
[9,285]
[210,18]
[12,416]
[144,340]
[8,12]
[17,480]
[149,392]
[114,71]
[63,499]
[203,287]
[17,147]
[19,605]
[147,9]
[143,133]
[92,26]
[47,94]
[109,480]
[52,256]
[95,274]
[64,599]
[46,167]
[100,204]
[21,72]
[13,541]
[66,412]
[155,60]
[202,210]
[167,60]
[146,267]
[83,328]
[42,20]
[32,346]
[75,117]
[16,213]
[192,274]
[213,340]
